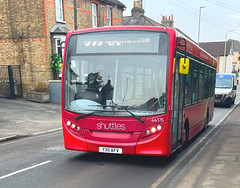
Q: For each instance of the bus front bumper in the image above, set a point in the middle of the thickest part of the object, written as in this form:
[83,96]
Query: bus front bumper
[158,145]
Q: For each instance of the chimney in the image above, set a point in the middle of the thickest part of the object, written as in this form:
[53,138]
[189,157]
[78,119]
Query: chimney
[167,21]
[137,9]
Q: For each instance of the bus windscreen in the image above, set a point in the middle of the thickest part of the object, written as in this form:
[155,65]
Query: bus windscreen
[107,71]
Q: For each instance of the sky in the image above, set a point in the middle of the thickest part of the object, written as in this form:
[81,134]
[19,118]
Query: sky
[220,19]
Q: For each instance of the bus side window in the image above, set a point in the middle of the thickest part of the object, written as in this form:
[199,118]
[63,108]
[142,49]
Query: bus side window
[201,85]
[213,76]
[195,86]
[188,87]
[206,84]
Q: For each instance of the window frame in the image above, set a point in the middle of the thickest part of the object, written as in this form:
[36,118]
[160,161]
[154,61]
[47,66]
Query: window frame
[58,40]
[60,8]
[94,15]
[109,16]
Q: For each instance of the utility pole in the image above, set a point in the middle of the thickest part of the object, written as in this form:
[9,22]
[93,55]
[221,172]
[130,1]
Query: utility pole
[199,23]
[225,49]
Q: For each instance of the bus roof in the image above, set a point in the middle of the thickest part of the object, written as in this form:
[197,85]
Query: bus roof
[196,51]
[192,48]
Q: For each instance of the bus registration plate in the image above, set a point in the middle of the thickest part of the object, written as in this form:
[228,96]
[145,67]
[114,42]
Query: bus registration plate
[110,150]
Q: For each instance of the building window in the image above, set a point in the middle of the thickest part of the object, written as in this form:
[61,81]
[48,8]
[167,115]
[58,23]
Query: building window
[94,15]
[59,45]
[59,10]
[109,16]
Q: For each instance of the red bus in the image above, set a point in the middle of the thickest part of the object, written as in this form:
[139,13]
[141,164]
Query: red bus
[134,90]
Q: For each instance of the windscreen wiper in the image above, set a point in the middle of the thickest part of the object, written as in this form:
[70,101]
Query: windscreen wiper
[84,115]
[91,113]
[135,116]
[125,108]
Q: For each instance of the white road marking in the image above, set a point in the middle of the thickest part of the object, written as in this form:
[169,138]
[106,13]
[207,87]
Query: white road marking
[161,178]
[19,122]
[23,170]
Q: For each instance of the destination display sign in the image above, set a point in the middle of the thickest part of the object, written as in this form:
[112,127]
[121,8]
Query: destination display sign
[118,43]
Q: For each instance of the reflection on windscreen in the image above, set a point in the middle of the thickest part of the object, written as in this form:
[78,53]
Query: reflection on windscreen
[135,82]
[223,83]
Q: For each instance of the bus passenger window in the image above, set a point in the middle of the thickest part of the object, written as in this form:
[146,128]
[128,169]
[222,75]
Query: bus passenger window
[195,87]
[188,89]
[201,86]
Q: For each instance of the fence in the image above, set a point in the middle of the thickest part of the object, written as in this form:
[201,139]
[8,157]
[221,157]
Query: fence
[10,81]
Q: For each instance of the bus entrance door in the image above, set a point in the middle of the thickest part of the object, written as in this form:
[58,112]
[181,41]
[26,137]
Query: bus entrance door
[177,106]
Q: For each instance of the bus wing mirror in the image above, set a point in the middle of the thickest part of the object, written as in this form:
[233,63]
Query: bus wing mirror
[184,66]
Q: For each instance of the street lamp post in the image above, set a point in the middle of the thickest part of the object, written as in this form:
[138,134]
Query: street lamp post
[225,49]
[199,22]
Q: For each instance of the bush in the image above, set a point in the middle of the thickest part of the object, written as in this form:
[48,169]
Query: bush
[56,65]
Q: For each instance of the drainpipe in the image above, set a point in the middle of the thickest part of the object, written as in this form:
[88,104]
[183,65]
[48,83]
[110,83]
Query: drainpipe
[51,39]
[75,14]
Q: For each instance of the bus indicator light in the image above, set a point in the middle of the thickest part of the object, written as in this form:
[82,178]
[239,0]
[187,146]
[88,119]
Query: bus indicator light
[68,123]
[73,126]
[153,130]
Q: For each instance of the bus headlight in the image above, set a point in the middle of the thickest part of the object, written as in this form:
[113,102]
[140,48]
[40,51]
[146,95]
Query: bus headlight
[159,127]
[151,131]
[147,132]
[74,128]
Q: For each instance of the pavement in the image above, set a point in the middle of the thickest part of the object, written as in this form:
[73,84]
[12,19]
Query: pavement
[217,164]
[20,118]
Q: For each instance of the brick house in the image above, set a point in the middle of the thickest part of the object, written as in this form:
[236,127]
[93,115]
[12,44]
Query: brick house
[31,30]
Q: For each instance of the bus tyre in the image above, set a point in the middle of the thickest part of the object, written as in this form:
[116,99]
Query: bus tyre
[184,141]
[207,121]
[185,135]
